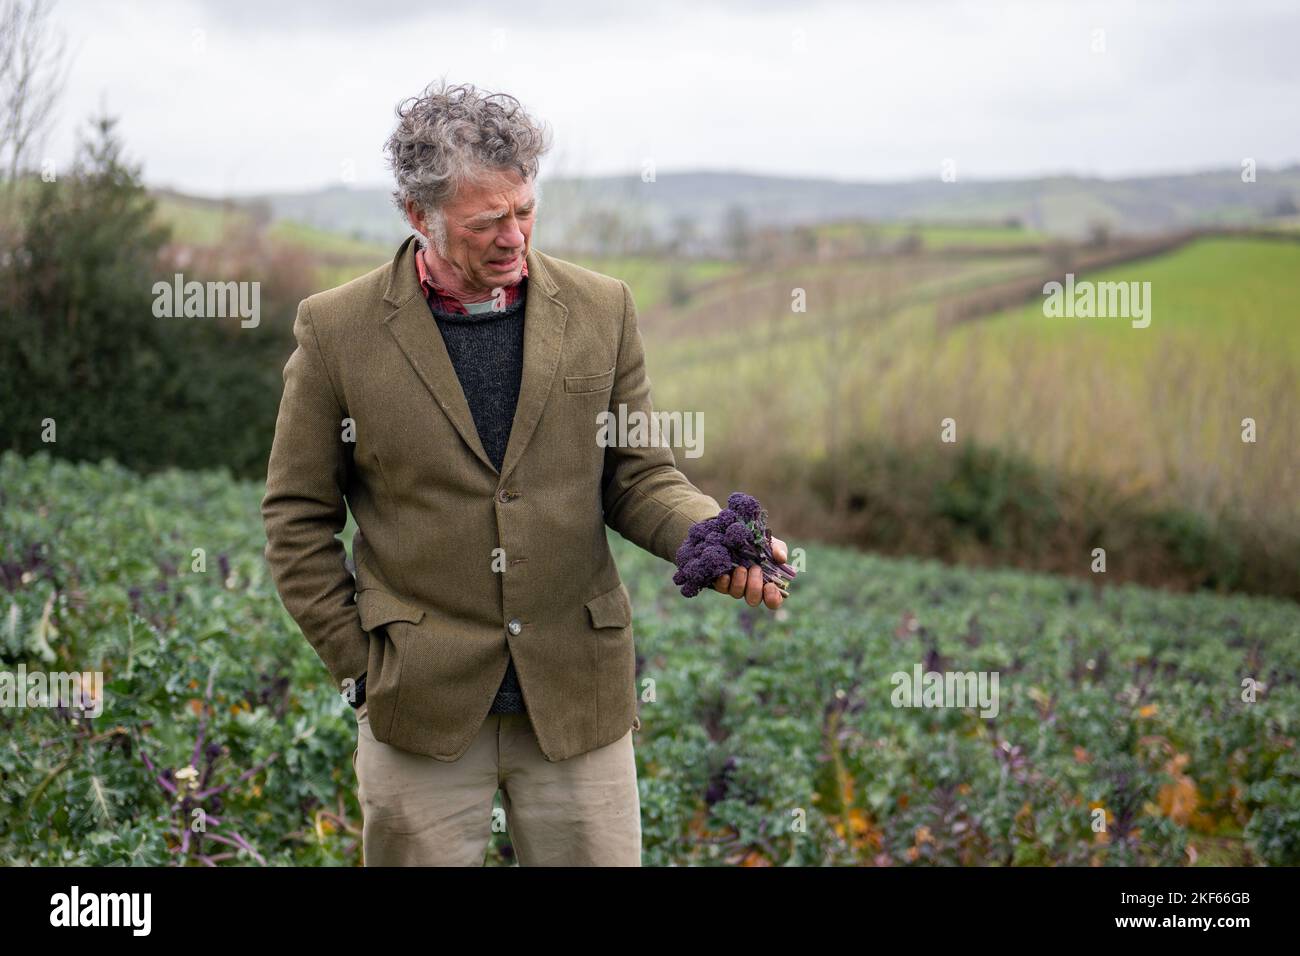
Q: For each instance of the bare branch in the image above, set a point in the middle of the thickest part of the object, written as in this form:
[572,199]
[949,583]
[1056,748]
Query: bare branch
[32,75]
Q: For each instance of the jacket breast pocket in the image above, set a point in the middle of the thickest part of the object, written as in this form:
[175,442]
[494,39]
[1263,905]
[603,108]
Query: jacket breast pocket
[384,617]
[596,382]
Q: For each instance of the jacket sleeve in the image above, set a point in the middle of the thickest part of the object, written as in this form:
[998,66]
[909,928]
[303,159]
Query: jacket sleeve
[304,509]
[646,499]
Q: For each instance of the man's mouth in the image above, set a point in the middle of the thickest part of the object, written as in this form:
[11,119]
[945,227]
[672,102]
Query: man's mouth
[505,263]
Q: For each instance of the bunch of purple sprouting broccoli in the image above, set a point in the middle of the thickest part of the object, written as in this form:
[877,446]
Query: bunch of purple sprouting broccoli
[736,535]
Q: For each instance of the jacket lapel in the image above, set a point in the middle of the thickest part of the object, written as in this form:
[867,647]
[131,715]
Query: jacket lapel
[544,320]
[413,326]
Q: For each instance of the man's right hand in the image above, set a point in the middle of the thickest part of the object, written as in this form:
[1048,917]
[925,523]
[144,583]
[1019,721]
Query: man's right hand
[749,584]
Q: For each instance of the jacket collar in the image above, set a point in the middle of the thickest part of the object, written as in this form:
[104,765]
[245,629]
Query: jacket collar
[411,323]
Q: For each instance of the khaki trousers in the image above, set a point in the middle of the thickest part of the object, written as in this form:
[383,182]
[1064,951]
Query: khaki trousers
[418,811]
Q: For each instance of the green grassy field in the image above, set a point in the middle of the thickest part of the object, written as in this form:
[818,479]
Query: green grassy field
[652,279]
[330,245]
[1158,407]
[767,739]
[199,223]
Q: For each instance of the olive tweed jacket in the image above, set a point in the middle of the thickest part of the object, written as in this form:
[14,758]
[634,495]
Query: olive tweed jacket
[456,562]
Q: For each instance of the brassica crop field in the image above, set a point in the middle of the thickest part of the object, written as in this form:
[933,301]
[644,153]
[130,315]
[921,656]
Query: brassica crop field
[1131,726]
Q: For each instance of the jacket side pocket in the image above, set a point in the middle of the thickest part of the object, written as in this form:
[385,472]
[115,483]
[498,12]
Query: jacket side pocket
[379,612]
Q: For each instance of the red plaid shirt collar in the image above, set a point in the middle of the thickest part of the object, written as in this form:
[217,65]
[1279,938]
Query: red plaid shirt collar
[442,300]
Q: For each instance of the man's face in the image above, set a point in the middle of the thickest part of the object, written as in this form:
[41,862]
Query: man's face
[489,226]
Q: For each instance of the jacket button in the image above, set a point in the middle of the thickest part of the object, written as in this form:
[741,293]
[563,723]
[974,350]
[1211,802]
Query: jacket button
[503,495]
[515,626]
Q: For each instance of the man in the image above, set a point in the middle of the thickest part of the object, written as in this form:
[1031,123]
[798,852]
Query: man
[450,398]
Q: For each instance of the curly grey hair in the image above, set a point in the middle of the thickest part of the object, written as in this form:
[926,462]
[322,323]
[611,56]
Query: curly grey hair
[448,136]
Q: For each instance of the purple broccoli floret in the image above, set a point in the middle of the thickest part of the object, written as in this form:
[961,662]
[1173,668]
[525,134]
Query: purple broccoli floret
[702,565]
[745,506]
[736,536]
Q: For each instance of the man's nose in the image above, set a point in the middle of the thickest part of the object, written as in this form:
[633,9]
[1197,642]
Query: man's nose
[510,236]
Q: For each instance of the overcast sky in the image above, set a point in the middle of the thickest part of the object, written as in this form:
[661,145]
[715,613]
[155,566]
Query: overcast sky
[238,96]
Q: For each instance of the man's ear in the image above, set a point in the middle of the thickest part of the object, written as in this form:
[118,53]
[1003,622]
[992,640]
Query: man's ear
[415,216]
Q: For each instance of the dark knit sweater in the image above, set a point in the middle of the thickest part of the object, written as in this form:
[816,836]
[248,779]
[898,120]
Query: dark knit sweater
[487,350]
